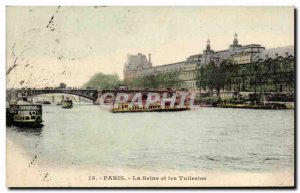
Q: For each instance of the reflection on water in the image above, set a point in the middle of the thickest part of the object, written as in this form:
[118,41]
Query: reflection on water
[27,130]
[200,139]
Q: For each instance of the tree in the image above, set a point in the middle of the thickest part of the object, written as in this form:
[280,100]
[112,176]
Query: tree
[258,74]
[157,81]
[213,76]
[103,81]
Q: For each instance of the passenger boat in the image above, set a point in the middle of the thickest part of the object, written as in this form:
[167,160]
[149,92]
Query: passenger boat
[122,108]
[25,115]
[67,103]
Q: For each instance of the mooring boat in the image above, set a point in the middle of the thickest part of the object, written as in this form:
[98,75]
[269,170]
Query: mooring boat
[25,115]
[252,106]
[123,108]
[43,102]
[67,103]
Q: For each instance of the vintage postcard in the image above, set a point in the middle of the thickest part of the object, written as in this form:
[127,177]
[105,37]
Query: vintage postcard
[112,96]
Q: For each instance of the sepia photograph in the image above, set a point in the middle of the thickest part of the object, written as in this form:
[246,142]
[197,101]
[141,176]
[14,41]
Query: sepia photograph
[150,96]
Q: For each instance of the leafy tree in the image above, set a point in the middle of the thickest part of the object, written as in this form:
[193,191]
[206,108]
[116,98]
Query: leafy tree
[157,81]
[213,77]
[103,81]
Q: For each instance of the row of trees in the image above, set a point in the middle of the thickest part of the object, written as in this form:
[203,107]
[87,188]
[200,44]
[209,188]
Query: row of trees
[157,81]
[228,76]
[224,76]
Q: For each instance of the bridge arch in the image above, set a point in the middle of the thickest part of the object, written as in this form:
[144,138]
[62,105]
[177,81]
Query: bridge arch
[89,94]
[60,94]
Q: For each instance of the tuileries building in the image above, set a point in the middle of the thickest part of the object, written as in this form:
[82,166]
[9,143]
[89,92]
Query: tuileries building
[237,54]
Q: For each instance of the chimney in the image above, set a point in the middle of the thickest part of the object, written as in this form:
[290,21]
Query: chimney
[286,54]
[276,55]
[266,56]
[149,57]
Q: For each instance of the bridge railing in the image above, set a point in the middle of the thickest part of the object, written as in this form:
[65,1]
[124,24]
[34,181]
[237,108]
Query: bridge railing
[50,88]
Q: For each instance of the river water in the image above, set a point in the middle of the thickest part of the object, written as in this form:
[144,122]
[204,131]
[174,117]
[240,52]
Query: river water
[205,139]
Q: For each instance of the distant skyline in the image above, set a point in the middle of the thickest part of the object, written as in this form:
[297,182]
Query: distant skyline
[70,44]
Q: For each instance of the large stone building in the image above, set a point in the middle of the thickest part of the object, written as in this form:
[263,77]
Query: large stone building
[138,65]
[135,64]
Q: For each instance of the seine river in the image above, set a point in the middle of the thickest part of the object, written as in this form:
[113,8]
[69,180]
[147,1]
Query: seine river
[206,139]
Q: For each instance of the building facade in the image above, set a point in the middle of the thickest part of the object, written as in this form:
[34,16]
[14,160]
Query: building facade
[237,54]
[134,65]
